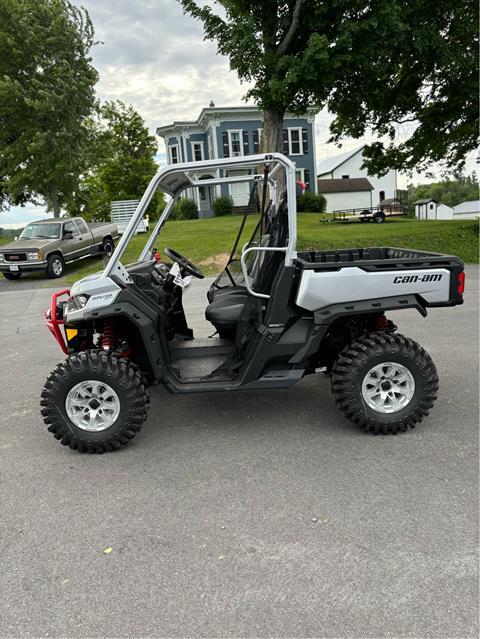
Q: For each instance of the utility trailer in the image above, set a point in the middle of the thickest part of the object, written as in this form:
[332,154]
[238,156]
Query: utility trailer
[377,214]
[279,315]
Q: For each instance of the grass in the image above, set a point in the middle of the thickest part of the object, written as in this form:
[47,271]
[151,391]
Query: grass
[206,242]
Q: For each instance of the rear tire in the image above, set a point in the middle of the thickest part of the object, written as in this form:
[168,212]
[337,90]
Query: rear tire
[12,276]
[108,247]
[406,402]
[77,419]
[55,266]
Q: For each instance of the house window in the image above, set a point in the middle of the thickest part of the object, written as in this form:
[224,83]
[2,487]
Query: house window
[345,177]
[300,175]
[382,196]
[197,151]
[295,145]
[235,143]
[173,150]
[431,206]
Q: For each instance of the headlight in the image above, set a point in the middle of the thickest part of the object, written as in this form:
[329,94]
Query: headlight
[81,300]
[34,256]
[2,259]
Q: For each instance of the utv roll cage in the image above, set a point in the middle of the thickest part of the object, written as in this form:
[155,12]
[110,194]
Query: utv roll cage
[175,179]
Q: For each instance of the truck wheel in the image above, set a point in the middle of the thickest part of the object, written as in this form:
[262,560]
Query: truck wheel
[94,402]
[55,266]
[108,247]
[384,382]
[379,218]
[12,276]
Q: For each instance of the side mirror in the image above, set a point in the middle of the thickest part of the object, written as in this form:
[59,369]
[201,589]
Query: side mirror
[67,235]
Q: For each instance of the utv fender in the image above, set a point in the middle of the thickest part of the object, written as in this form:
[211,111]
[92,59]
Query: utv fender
[324,317]
[145,318]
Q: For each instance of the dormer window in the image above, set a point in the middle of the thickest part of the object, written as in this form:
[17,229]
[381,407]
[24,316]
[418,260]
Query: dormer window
[235,143]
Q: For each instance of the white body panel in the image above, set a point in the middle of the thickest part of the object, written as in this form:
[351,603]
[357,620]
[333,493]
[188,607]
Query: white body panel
[352,284]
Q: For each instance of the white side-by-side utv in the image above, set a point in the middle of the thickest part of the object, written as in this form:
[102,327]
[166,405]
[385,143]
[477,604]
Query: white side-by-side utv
[279,314]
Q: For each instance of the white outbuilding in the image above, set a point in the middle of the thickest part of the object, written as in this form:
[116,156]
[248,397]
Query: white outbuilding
[431,209]
[467,210]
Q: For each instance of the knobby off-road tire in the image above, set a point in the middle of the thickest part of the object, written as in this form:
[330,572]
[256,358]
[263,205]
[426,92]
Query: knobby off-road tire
[352,380]
[91,372]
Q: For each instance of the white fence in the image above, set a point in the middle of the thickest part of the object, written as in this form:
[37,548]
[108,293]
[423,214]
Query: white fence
[121,212]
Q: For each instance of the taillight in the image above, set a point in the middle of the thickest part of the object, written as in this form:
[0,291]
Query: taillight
[461,282]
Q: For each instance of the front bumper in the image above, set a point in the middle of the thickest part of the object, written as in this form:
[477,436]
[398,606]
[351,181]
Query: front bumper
[22,267]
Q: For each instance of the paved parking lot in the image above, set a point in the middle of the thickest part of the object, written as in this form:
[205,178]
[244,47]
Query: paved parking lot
[209,512]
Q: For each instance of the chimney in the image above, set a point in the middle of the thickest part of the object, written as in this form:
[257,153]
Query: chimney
[212,104]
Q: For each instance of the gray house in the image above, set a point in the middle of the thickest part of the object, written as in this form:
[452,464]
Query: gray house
[221,132]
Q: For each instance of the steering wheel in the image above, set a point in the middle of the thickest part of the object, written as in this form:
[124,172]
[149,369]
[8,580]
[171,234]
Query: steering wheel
[184,263]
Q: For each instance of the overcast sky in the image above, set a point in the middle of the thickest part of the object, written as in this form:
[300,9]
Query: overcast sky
[155,58]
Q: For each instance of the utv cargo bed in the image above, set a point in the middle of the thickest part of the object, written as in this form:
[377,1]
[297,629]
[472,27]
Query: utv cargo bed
[435,279]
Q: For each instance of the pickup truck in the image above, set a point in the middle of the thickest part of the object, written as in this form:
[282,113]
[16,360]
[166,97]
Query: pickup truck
[47,245]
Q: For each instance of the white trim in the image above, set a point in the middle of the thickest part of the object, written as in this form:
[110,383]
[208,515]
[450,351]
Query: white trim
[202,149]
[170,157]
[184,149]
[300,139]
[314,154]
[240,136]
[213,129]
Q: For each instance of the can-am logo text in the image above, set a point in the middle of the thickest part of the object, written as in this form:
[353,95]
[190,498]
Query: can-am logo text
[406,279]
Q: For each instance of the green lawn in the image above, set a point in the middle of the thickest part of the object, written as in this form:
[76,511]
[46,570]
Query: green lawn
[209,240]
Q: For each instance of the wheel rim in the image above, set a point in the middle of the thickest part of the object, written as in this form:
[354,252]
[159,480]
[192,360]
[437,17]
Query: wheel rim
[57,267]
[92,406]
[388,387]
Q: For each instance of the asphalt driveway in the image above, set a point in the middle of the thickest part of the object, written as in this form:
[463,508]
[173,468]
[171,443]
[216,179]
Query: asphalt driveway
[241,515]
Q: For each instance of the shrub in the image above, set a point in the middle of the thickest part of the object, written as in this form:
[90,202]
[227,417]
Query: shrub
[310,202]
[185,209]
[222,206]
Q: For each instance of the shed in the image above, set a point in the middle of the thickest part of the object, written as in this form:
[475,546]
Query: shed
[432,209]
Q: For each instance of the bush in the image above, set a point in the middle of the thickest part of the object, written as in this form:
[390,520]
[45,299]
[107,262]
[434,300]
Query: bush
[184,209]
[310,202]
[222,206]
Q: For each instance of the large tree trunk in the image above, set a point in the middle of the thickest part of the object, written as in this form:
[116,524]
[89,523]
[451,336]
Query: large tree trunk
[53,197]
[272,133]
[272,142]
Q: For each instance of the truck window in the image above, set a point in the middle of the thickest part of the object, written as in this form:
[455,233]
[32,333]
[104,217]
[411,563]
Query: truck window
[82,227]
[70,226]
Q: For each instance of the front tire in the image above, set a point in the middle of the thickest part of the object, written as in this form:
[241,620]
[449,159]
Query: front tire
[384,382]
[94,401]
[55,266]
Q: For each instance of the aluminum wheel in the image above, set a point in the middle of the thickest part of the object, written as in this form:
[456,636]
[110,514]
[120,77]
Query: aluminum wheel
[92,405]
[388,387]
[57,266]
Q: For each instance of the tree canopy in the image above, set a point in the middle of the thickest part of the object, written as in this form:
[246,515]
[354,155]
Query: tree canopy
[375,64]
[46,98]
[121,163]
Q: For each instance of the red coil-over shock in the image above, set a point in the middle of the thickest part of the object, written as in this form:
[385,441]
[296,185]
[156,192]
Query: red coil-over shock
[109,337]
[382,323]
